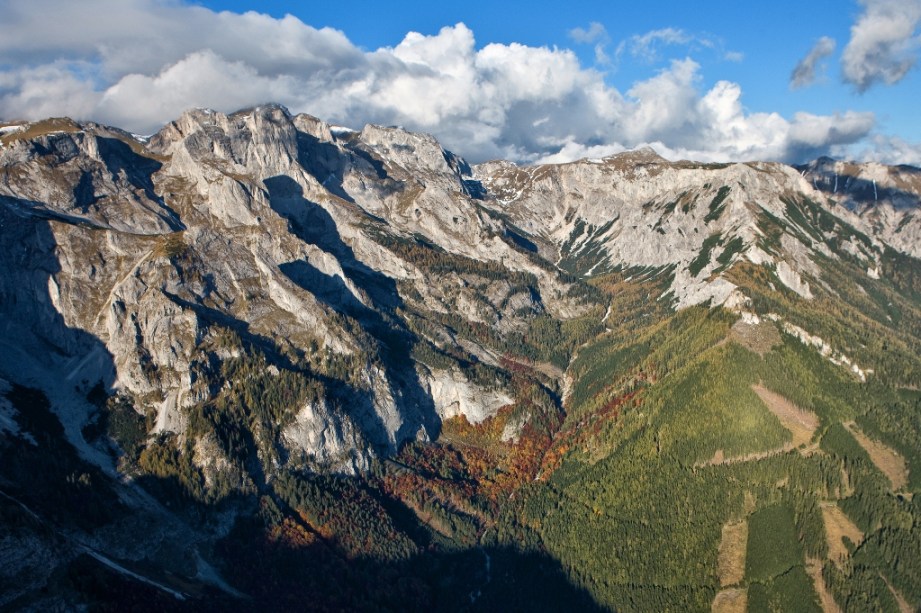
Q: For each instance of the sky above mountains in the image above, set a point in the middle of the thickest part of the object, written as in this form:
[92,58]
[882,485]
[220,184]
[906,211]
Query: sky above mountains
[529,81]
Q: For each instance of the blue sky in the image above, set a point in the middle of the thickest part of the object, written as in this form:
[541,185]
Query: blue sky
[770,36]
[531,81]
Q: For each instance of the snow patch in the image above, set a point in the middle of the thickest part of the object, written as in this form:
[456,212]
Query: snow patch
[873,273]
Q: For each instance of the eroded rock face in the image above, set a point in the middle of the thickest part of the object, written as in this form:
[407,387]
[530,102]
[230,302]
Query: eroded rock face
[350,259]
[636,210]
[150,266]
[453,394]
[320,429]
[885,199]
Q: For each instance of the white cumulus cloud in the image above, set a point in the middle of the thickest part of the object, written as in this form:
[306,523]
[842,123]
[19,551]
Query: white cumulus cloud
[597,34]
[891,150]
[593,33]
[884,43]
[140,63]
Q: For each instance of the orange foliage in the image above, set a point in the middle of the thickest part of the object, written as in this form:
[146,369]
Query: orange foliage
[291,534]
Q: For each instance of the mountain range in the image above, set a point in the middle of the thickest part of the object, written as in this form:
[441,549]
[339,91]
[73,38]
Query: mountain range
[254,358]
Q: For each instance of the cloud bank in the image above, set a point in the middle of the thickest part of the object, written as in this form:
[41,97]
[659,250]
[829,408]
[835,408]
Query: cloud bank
[140,63]
[884,43]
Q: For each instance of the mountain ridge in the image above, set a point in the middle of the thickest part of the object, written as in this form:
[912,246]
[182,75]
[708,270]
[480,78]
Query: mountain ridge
[261,318]
[631,210]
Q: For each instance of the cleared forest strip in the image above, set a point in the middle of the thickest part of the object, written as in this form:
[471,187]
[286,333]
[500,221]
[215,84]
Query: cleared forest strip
[886,459]
[719,459]
[838,526]
[904,607]
[733,600]
[731,558]
[814,570]
[801,424]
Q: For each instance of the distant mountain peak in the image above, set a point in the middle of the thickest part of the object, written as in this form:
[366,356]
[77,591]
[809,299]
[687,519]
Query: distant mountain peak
[645,152]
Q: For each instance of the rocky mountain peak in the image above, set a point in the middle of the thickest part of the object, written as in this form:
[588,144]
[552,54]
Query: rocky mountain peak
[643,154]
[86,174]
[411,150]
[343,256]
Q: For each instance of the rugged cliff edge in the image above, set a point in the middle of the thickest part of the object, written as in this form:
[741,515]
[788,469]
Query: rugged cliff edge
[146,264]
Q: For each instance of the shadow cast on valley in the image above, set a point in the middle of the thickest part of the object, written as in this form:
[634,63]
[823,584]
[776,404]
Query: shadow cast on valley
[479,579]
[275,574]
[316,579]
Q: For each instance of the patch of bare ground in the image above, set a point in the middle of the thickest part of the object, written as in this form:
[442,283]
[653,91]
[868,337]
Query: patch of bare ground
[758,337]
[847,488]
[904,607]
[801,424]
[733,600]
[749,503]
[731,558]
[814,569]
[720,459]
[837,527]
[885,458]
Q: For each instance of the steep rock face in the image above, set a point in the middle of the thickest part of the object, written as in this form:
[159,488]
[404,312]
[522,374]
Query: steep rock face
[885,198]
[152,266]
[691,221]
[95,177]
[453,395]
[379,275]
[320,429]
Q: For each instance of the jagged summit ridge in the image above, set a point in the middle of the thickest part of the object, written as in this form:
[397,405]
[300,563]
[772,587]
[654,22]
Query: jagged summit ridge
[634,210]
[264,234]
[154,263]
